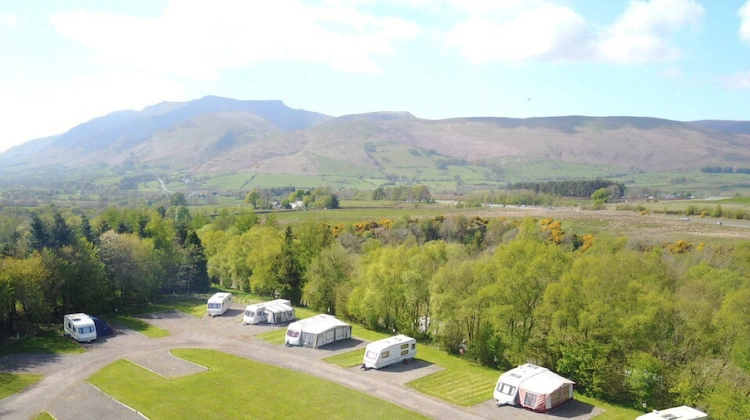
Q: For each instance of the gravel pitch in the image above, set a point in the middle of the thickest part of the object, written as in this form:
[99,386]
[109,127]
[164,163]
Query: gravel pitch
[166,365]
[85,402]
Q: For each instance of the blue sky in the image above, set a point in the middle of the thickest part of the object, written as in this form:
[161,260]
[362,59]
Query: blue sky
[67,62]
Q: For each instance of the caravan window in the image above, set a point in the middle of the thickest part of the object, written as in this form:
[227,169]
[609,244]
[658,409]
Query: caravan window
[249,313]
[405,346]
[85,330]
[405,352]
[372,355]
[413,346]
[529,400]
[506,389]
[214,306]
[292,333]
[384,355]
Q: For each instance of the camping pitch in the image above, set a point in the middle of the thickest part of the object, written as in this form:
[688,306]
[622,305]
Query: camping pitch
[272,312]
[533,387]
[388,351]
[317,331]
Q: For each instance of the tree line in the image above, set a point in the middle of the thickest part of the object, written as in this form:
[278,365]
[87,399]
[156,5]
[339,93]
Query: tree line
[52,264]
[570,188]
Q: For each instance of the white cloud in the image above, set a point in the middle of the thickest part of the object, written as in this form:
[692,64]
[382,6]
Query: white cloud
[193,39]
[644,31]
[542,30]
[740,80]
[8,19]
[55,107]
[548,32]
[744,14]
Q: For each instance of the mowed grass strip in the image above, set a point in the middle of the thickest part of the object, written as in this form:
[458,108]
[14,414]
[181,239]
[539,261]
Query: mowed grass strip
[191,306]
[48,342]
[273,337]
[44,416]
[238,388]
[464,387]
[612,412]
[139,325]
[348,359]
[11,383]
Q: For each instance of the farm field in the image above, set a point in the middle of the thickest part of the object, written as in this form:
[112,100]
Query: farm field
[224,392]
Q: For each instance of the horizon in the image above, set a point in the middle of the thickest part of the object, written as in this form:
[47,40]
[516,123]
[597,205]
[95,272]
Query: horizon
[680,60]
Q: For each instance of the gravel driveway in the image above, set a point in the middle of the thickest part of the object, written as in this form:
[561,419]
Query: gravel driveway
[65,374]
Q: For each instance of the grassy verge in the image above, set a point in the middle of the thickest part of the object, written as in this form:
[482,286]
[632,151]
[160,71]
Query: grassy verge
[191,306]
[11,383]
[348,359]
[612,412]
[141,326]
[224,392]
[47,342]
[44,416]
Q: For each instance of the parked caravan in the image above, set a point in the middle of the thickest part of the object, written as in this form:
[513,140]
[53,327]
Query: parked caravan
[677,413]
[219,303]
[533,387]
[317,331]
[79,326]
[273,312]
[389,351]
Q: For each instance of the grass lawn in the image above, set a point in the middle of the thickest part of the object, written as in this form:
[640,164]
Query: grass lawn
[348,359]
[613,412]
[191,306]
[47,342]
[136,324]
[10,383]
[44,416]
[235,387]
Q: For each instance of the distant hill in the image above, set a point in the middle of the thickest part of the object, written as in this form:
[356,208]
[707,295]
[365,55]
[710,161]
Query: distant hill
[734,127]
[220,135]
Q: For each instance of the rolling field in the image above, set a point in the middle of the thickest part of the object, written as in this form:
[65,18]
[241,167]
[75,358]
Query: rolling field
[226,392]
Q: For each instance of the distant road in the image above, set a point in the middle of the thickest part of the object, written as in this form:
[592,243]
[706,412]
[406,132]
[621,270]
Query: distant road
[164,187]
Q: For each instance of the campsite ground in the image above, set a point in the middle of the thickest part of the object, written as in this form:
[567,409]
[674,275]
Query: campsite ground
[64,388]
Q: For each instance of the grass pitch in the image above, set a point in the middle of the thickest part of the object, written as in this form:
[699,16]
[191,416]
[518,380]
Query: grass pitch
[238,388]
[11,383]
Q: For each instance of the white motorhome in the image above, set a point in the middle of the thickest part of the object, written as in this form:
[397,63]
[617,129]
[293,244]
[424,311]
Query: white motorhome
[272,312]
[79,326]
[317,331]
[219,303]
[388,351]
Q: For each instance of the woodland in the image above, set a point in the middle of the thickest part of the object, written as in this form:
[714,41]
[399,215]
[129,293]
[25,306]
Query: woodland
[634,323]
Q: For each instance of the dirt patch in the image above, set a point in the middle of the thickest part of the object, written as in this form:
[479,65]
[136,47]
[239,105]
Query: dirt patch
[164,364]
[572,410]
[84,402]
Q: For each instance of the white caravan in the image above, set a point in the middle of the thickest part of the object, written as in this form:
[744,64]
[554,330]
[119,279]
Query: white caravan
[389,351]
[677,413]
[219,303]
[80,326]
[317,331]
[272,312]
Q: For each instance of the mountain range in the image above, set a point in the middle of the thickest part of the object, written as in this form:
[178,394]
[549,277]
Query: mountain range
[221,135]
